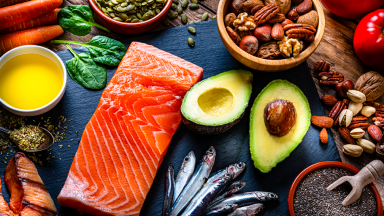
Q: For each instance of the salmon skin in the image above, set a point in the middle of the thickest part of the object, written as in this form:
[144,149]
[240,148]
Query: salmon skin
[127,137]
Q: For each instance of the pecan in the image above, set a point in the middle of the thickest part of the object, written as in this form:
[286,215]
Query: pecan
[331,78]
[266,13]
[373,104]
[296,30]
[256,8]
[277,19]
[359,122]
[336,110]
[309,38]
[379,112]
[378,121]
[321,66]
[346,101]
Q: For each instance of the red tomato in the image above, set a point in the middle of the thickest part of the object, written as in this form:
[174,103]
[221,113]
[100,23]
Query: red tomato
[352,9]
[369,39]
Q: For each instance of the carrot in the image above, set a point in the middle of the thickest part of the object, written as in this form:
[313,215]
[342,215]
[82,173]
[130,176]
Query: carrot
[29,37]
[18,13]
[49,18]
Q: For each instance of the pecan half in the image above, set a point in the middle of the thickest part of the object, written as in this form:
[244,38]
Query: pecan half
[378,121]
[296,30]
[379,112]
[321,66]
[373,104]
[359,122]
[336,110]
[331,78]
[266,13]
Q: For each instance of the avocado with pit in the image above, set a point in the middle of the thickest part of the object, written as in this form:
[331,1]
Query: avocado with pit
[214,105]
[280,118]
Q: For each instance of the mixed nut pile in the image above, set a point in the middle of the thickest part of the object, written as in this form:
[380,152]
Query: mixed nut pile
[357,98]
[282,29]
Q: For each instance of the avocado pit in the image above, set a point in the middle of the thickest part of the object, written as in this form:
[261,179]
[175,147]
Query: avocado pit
[216,101]
[279,117]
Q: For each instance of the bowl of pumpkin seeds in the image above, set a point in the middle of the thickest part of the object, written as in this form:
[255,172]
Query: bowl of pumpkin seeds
[130,16]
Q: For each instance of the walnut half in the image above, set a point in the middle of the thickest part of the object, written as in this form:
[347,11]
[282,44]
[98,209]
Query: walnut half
[290,46]
[244,22]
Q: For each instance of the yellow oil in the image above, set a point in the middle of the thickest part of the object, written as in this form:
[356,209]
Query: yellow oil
[30,81]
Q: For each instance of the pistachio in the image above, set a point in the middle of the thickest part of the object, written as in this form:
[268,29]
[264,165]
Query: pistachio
[357,133]
[184,19]
[367,111]
[204,16]
[366,145]
[191,42]
[355,107]
[193,6]
[345,118]
[352,150]
[356,96]
[191,30]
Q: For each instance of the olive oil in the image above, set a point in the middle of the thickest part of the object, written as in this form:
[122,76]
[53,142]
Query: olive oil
[30,81]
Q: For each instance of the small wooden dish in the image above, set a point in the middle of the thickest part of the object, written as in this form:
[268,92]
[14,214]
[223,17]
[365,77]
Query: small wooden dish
[266,64]
[325,164]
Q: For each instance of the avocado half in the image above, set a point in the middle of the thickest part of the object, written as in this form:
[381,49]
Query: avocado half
[266,149]
[214,105]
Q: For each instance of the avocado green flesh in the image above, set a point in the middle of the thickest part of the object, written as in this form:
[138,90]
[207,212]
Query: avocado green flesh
[266,149]
[218,100]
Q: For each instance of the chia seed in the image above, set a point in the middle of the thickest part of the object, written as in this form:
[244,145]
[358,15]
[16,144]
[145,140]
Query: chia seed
[312,197]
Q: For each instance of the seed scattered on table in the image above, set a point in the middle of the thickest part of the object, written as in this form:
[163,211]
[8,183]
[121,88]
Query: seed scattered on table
[173,6]
[165,22]
[204,17]
[312,197]
[194,1]
[179,9]
[214,17]
[184,3]
[191,30]
[193,6]
[191,42]
[184,19]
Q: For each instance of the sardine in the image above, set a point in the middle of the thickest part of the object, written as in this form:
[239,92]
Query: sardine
[169,189]
[236,169]
[184,174]
[195,183]
[248,198]
[231,189]
[222,210]
[205,196]
[248,210]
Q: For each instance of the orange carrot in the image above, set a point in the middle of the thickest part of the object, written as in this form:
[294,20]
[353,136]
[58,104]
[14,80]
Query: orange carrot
[14,14]
[49,18]
[29,37]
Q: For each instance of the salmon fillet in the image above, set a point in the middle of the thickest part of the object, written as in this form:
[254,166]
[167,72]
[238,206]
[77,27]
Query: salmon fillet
[127,137]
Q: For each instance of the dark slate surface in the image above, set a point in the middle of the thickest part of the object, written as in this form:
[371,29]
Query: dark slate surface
[233,146]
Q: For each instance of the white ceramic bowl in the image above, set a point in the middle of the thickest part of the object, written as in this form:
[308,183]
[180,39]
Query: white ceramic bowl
[47,53]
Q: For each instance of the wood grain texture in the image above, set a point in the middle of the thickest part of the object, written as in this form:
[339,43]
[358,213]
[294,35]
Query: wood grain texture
[336,47]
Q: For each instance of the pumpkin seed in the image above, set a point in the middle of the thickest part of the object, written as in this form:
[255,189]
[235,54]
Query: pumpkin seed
[166,22]
[191,22]
[175,1]
[191,42]
[98,5]
[157,10]
[135,20]
[123,16]
[104,10]
[131,12]
[147,15]
[204,16]
[109,9]
[195,1]
[117,18]
[173,15]
[121,9]
[191,30]
[102,3]
[193,6]
[179,9]
[184,19]
[214,17]
[130,7]
[184,3]
[112,15]
[110,4]
[151,1]
[114,2]
[173,6]
[124,4]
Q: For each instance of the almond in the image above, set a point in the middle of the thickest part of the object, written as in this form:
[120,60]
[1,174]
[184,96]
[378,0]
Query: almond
[277,32]
[304,7]
[345,134]
[322,121]
[375,132]
[323,136]
[310,18]
[328,100]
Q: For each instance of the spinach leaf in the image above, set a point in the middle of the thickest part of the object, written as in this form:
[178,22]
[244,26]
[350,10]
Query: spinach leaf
[103,49]
[77,19]
[83,70]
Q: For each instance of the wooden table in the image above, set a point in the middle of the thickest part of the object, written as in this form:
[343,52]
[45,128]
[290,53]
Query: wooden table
[336,48]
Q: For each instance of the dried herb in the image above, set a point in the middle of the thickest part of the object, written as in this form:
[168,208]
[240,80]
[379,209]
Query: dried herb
[27,137]
[9,120]
[5,142]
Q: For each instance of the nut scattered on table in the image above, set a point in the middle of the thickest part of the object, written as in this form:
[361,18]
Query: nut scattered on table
[331,78]
[352,150]
[345,134]
[345,118]
[343,87]
[366,145]
[356,96]
[359,122]
[355,107]
[323,136]
[336,110]
[322,66]
[367,111]
[322,121]
[375,132]
[357,133]
[371,84]
[328,100]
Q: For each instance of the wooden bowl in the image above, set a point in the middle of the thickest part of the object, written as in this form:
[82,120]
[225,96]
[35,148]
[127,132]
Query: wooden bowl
[129,28]
[266,64]
[325,164]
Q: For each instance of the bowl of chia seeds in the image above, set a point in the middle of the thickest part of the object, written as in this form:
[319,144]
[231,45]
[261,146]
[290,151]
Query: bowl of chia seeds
[308,194]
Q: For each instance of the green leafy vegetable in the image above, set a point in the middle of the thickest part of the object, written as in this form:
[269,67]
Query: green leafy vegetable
[83,70]
[77,19]
[103,49]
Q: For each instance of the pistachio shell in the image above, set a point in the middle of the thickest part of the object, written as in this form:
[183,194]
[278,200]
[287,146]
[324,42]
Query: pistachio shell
[356,96]
[357,133]
[367,145]
[367,111]
[345,118]
[352,150]
[355,107]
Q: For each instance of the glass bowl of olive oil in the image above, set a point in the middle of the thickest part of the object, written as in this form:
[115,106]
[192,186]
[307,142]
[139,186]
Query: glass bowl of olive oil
[32,80]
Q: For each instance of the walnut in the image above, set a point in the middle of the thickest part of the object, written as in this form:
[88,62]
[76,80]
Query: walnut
[284,5]
[244,22]
[290,46]
[371,84]
[268,51]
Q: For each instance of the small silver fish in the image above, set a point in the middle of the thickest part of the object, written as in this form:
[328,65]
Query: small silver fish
[184,174]
[231,189]
[236,169]
[169,189]
[248,210]
[222,210]
[248,198]
[205,196]
[195,183]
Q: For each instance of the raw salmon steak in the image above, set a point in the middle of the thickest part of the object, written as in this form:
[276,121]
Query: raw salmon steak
[127,137]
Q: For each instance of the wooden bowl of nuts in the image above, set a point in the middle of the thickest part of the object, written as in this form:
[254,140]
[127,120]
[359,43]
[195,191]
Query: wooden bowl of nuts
[270,35]
[130,16]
